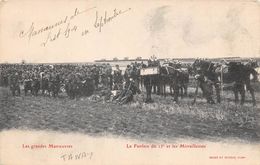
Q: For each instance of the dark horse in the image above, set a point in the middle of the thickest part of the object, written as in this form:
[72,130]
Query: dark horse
[239,74]
[176,78]
[208,75]
[206,78]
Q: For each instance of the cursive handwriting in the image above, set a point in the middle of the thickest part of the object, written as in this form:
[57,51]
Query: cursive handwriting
[103,20]
[32,31]
[78,156]
[52,37]
[65,27]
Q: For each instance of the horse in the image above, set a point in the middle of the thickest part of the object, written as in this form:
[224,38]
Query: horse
[168,71]
[238,74]
[175,78]
[206,78]
[208,74]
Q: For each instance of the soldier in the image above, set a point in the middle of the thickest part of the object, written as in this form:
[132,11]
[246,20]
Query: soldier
[27,82]
[14,83]
[251,65]
[206,86]
[127,74]
[118,79]
[45,82]
[109,75]
[35,84]
[127,94]
[104,78]
[95,74]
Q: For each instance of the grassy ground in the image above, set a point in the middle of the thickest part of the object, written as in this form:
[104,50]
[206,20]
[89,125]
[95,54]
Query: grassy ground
[162,119]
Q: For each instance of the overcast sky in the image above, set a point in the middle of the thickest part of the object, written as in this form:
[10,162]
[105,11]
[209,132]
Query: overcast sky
[168,29]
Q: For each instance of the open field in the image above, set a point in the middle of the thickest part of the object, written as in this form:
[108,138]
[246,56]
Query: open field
[160,120]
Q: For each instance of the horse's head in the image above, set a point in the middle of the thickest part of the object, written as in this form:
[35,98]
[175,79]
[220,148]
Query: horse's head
[202,66]
[168,70]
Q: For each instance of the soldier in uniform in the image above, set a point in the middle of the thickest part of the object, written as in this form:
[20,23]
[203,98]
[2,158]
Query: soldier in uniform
[109,75]
[127,94]
[104,78]
[95,74]
[35,84]
[27,83]
[14,83]
[118,79]
[127,74]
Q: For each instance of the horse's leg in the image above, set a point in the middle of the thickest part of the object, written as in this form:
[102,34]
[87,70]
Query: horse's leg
[217,88]
[43,90]
[36,91]
[235,90]
[171,89]
[186,90]
[176,92]
[18,90]
[13,92]
[196,92]
[148,93]
[242,93]
[25,91]
[182,90]
[163,90]
[252,92]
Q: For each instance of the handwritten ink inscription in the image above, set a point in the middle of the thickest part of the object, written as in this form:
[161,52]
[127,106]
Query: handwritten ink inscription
[65,27]
[101,21]
[77,156]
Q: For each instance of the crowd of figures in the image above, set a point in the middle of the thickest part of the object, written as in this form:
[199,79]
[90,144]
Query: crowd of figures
[74,80]
[85,80]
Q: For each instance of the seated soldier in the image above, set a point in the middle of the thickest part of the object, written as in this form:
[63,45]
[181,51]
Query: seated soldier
[126,95]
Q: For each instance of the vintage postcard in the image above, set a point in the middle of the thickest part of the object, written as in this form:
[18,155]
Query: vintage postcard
[132,82]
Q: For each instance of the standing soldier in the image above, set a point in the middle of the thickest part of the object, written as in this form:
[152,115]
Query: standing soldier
[127,73]
[118,79]
[109,75]
[95,73]
[27,83]
[103,75]
[14,83]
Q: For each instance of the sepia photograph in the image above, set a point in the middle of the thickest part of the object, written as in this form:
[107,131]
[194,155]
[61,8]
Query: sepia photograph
[148,82]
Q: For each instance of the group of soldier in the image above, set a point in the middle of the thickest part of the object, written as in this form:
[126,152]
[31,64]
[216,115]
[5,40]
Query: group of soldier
[86,79]
[69,78]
